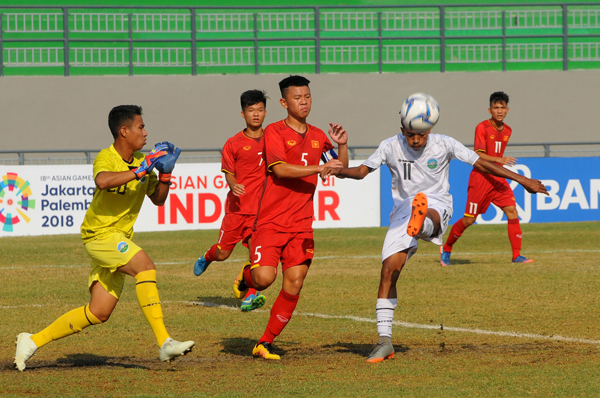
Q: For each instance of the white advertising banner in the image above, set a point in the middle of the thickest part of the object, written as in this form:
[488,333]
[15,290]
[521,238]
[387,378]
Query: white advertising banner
[47,200]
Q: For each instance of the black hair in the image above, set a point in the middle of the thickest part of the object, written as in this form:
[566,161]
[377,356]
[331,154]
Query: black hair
[119,115]
[498,96]
[253,97]
[292,81]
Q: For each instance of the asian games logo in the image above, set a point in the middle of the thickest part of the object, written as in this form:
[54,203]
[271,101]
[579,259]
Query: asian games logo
[15,201]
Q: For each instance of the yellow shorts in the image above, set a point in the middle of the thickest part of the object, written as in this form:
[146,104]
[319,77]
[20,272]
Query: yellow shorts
[109,253]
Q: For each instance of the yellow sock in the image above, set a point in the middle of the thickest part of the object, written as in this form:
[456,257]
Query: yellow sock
[73,321]
[147,295]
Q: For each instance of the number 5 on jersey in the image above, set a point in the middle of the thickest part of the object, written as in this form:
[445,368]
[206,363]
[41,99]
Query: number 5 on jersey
[257,254]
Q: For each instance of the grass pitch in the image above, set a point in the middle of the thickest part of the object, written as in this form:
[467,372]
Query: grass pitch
[452,337]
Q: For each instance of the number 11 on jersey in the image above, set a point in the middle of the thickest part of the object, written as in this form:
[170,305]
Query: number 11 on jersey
[407,167]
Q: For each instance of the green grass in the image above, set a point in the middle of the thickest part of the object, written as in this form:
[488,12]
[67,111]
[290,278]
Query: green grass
[557,295]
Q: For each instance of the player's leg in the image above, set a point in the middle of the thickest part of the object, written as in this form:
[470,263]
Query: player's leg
[515,234]
[387,301]
[423,222]
[296,257]
[98,311]
[253,299]
[143,270]
[479,196]
[230,234]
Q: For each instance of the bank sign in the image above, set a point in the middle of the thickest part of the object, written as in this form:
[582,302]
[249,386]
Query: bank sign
[573,185]
[48,200]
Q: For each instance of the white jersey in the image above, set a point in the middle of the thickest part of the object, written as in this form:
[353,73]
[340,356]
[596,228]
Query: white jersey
[425,170]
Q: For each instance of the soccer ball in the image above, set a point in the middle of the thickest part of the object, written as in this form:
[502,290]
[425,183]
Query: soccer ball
[420,112]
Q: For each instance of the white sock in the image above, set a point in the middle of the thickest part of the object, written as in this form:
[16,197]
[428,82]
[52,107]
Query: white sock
[426,229]
[385,316]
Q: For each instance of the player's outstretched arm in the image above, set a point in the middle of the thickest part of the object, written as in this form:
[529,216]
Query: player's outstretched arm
[113,179]
[507,160]
[339,135]
[356,173]
[532,186]
[286,170]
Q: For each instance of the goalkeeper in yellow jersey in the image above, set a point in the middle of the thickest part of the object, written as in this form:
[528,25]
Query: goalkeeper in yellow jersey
[123,176]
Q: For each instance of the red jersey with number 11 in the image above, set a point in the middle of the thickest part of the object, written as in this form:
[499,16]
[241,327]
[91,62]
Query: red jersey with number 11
[287,203]
[491,141]
[243,157]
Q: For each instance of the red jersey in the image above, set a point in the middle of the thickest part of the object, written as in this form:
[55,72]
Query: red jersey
[243,157]
[491,141]
[287,203]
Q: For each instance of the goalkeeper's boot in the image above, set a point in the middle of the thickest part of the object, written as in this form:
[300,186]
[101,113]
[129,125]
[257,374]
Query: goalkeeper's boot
[25,349]
[264,350]
[171,349]
[239,286]
[522,260]
[382,350]
[444,257]
[201,265]
[253,302]
[418,214]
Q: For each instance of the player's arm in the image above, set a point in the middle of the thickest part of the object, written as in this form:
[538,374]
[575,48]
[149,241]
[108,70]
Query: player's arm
[532,186]
[237,189]
[339,135]
[507,160]
[356,173]
[286,170]
[113,179]
[160,193]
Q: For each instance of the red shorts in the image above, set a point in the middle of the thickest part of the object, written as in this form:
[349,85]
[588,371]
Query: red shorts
[486,189]
[235,228]
[291,248]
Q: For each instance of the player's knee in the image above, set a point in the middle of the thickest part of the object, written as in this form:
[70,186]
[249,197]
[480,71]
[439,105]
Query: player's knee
[389,273]
[511,212]
[222,255]
[468,221]
[101,316]
[263,280]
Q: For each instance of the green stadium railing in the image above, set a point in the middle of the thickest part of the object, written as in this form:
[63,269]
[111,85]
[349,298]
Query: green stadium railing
[226,40]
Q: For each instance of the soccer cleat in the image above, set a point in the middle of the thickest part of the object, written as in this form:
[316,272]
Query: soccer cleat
[522,260]
[444,257]
[239,286]
[418,214]
[201,265]
[380,352]
[264,350]
[171,349]
[253,302]
[25,349]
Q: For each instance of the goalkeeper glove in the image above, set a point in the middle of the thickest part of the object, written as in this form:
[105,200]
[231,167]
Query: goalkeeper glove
[166,164]
[328,155]
[150,160]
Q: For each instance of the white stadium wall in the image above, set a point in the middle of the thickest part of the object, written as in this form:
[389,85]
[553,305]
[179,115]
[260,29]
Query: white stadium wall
[203,111]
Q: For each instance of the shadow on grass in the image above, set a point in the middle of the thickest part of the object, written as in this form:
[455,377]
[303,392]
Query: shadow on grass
[77,361]
[243,347]
[216,301]
[360,349]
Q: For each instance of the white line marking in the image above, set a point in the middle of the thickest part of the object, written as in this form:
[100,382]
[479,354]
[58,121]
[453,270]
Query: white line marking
[369,320]
[413,325]
[190,262]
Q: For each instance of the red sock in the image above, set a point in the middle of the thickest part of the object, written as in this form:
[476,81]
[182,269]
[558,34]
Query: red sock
[456,232]
[281,313]
[248,276]
[211,254]
[250,291]
[515,235]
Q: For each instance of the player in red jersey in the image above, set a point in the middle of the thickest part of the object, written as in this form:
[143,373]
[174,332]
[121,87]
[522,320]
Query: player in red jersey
[245,172]
[284,221]
[491,137]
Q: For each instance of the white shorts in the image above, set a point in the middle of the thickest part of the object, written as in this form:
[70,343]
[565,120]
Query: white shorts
[397,239]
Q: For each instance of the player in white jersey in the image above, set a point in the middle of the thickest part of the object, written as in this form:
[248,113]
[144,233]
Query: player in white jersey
[419,163]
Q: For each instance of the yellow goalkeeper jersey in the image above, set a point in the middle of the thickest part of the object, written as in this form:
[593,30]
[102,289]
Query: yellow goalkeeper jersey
[116,209]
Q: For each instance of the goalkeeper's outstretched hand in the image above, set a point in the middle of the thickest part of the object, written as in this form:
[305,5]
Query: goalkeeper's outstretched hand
[159,151]
[166,163]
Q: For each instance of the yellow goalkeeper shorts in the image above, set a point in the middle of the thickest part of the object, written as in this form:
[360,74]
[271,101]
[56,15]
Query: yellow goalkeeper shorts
[108,253]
